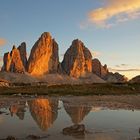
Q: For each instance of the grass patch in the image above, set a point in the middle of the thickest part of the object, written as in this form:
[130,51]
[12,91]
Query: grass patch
[89,89]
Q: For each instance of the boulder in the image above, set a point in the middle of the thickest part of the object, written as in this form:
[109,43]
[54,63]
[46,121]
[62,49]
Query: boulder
[77,60]
[75,130]
[44,56]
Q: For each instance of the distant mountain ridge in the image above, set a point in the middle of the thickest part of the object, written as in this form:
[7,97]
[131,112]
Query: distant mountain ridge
[44,60]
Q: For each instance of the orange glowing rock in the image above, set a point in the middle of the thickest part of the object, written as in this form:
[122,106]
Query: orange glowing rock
[44,112]
[77,60]
[44,56]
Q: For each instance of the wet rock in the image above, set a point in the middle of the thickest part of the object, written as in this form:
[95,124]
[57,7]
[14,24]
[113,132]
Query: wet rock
[75,130]
[11,138]
[2,112]
[35,137]
[137,139]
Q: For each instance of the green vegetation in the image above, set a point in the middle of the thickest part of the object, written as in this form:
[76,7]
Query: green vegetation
[90,89]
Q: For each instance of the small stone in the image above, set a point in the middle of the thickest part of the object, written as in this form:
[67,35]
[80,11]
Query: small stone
[77,129]
[11,138]
[34,137]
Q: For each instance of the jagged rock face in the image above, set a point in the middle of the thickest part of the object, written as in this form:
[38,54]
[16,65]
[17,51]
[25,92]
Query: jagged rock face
[115,77]
[6,62]
[44,112]
[77,60]
[16,62]
[44,56]
[23,54]
[135,79]
[77,113]
[98,69]
[103,72]
[12,62]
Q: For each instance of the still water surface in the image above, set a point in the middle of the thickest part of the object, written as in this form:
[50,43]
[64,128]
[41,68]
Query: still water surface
[48,116]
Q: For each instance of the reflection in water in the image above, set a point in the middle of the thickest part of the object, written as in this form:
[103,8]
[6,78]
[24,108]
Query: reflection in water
[77,112]
[106,124]
[44,112]
[18,108]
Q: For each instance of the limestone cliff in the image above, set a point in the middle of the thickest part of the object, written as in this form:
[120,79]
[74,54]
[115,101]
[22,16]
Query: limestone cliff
[23,54]
[44,56]
[98,69]
[77,60]
[12,62]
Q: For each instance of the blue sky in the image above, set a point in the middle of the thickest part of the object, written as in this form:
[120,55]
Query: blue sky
[114,39]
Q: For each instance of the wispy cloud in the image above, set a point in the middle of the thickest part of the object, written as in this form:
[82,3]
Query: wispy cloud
[96,53]
[123,70]
[121,65]
[115,11]
[2,41]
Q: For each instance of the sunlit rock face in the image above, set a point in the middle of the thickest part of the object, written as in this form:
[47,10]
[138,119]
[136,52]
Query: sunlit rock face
[23,54]
[77,60]
[44,112]
[18,109]
[77,112]
[98,69]
[13,62]
[44,56]
[6,62]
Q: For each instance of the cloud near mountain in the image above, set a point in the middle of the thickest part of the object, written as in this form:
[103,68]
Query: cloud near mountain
[96,53]
[115,11]
[2,41]
[124,70]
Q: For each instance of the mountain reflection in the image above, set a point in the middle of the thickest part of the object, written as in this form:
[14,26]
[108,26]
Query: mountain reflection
[76,112]
[18,108]
[44,112]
